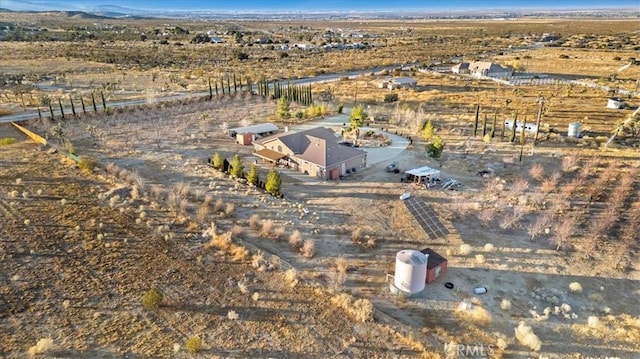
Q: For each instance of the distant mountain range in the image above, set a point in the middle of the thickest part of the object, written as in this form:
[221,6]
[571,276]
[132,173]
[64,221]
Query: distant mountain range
[187,8]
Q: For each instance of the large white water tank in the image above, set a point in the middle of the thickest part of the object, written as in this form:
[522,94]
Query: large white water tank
[411,271]
[574,130]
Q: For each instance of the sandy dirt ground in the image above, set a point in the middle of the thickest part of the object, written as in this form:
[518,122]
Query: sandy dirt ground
[527,281]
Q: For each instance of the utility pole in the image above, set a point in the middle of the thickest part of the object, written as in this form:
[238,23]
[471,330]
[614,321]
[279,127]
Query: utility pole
[540,106]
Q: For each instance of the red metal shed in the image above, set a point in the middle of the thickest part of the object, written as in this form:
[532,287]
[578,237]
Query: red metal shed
[436,265]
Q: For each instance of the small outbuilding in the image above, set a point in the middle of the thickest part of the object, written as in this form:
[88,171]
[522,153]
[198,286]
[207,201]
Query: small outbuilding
[401,82]
[616,103]
[246,138]
[436,265]
[422,175]
[261,129]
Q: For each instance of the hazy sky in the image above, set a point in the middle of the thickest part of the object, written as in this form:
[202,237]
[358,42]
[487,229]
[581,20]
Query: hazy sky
[276,5]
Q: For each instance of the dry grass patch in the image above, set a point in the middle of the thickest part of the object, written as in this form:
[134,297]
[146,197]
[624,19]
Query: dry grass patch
[360,309]
[291,277]
[267,228]
[624,328]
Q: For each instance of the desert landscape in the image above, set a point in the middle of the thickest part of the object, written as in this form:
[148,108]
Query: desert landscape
[120,238]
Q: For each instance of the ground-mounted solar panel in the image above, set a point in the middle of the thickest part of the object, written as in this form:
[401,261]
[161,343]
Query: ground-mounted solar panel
[426,217]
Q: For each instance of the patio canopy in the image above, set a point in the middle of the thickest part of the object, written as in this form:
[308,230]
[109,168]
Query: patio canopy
[423,172]
[269,155]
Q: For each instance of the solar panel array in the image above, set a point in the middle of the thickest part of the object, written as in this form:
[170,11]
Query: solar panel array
[426,217]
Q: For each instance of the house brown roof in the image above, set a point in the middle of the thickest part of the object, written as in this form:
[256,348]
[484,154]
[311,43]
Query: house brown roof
[434,258]
[269,154]
[317,145]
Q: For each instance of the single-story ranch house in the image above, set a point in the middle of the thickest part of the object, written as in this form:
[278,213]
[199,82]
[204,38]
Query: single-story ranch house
[315,152]
[482,69]
[398,83]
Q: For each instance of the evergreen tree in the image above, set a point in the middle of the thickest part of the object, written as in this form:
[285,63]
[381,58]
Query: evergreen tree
[104,101]
[282,109]
[428,131]
[273,182]
[475,121]
[358,116]
[253,174]
[512,136]
[484,125]
[237,167]
[61,109]
[93,101]
[493,126]
[217,161]
[435,148]
[73,108]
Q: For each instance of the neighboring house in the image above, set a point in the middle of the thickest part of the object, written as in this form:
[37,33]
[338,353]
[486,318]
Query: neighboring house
[616,103]
[461,68]
[315,152]
[262,129]
[436,265]
[489,69]
[216,39]
[397,82]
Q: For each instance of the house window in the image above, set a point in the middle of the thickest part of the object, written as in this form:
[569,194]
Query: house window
[437,272]
[279,148]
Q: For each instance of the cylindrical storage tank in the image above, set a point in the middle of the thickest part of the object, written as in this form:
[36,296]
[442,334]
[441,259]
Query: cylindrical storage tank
[574,129]
[411,271]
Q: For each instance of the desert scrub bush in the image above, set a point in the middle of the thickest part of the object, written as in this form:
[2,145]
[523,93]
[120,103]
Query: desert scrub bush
[505,304]
[537,172]
[228,209]
[465,249]
[356,234]
[489,247]
[5,141]
[308,249]
[526,337]
[254,222]
[152,299]
[239,253]
[291,277]
[233,315]
[267,228]
[218,206]
[480,258]
[43,346]
[194,344]
[295,240]
[278,233]
[575,287]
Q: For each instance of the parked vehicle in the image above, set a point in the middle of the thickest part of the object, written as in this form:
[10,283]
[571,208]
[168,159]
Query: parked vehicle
[393,167]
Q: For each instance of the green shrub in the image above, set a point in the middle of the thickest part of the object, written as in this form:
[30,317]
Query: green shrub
[391,97]
[237,167]
[217,161]
[7,141]
[253,174]
[435,148]
[299,114]
[152,298]
[563,56]
[273,182]
[194,344]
